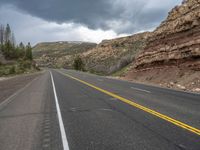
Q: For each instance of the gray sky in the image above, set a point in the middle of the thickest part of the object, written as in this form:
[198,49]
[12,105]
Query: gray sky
[82,20]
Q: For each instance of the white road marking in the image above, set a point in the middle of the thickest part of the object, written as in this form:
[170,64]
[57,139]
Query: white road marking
[140,90]
[105,109]
[62,129]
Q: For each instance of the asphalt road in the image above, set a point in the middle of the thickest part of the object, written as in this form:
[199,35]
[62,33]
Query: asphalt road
[79,111]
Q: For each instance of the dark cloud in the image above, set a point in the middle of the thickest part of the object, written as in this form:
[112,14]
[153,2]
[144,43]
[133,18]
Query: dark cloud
[138,14]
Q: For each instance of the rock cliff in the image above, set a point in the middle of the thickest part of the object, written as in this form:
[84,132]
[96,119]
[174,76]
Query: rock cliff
[172,54]
[176,40]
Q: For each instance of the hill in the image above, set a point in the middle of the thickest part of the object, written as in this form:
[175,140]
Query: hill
[59,54]
[112,55]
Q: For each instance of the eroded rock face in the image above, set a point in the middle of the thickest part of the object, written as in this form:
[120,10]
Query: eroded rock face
[176,40]
[112,55]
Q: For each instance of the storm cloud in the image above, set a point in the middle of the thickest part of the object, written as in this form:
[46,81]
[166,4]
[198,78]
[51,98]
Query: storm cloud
[122,16]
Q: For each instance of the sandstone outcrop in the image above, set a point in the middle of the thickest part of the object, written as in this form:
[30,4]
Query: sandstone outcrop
[171,57]
[176,40]
[112,55]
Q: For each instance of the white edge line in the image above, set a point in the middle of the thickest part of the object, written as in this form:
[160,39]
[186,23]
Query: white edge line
[62,129]
[10,98]
[140,89]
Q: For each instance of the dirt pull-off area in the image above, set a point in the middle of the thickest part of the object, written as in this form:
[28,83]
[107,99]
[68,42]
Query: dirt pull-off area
[167,76]
[10,85]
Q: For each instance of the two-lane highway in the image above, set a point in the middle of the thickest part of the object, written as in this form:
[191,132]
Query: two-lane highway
[79,111]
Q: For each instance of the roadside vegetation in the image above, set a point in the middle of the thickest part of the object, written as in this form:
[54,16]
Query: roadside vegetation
[78,63]
[122,72]
[14,59]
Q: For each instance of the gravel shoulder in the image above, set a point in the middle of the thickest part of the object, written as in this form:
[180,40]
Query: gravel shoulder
[10,85]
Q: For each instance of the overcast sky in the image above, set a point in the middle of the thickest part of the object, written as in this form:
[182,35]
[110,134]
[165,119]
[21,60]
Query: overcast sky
[82,20]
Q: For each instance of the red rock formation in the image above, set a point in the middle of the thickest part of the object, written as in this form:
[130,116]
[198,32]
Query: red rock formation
[176,40]
[171,57]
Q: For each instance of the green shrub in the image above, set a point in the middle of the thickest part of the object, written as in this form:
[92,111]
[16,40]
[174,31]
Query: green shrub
[78,63]
[25,64]
[12,70]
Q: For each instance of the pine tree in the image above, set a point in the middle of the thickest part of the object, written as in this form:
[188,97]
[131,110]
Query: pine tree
[21,50]
[7,33]
[2,32]
[13,39]
[8,50]
[21,46]
[29,52]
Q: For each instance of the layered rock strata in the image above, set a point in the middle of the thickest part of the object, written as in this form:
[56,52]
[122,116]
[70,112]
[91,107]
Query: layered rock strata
[176,41]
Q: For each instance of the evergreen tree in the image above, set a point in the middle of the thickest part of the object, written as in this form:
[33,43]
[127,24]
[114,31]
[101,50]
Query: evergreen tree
[21,50]
[7,33]
[29,52]
[21,46]
[13,39]
[8,50]
[2,33]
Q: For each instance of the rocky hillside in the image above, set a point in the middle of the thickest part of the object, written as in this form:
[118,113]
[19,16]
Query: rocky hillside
[112,55]
[172,54]
[59,54]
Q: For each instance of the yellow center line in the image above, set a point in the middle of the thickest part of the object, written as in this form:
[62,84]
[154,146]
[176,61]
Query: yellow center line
[153,112]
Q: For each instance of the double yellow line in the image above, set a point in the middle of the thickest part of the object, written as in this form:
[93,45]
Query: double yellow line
[148,110]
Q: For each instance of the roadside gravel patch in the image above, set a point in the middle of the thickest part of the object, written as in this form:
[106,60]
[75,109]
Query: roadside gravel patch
[10,85]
